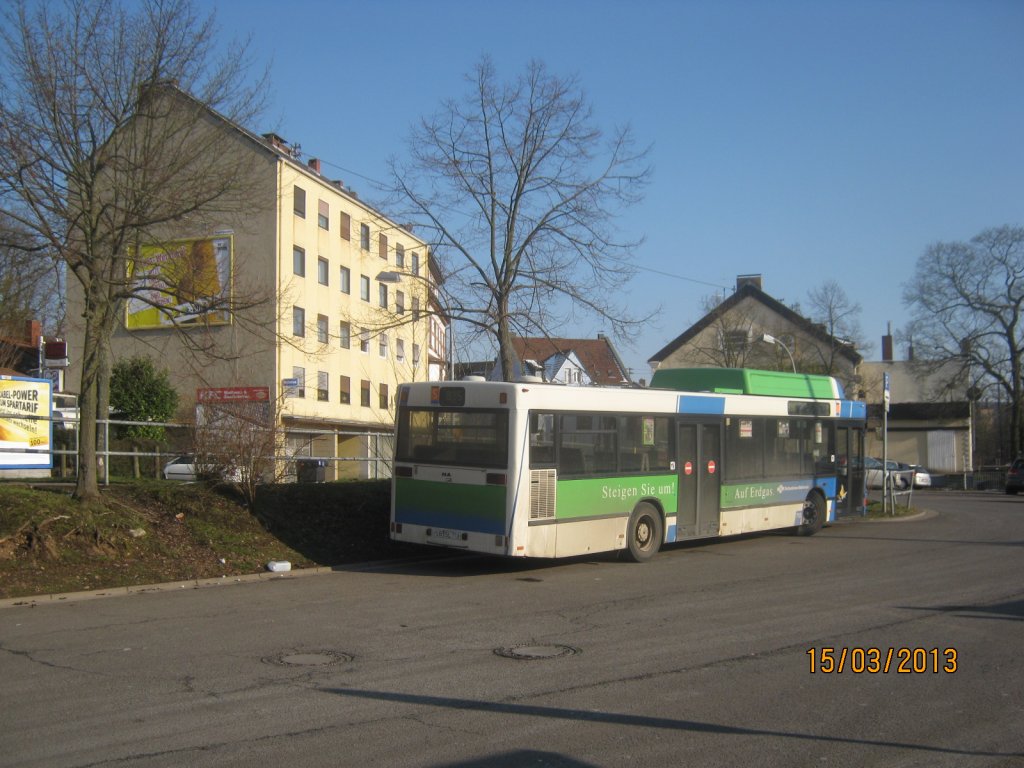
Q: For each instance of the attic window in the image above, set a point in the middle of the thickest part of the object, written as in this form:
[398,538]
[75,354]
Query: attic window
[735,339]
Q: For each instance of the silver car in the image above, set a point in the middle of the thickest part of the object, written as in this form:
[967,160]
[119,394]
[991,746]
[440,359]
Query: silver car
[184,468]
[875,477]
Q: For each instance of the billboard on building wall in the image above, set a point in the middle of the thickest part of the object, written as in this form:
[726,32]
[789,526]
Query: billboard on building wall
[181,282]
[25,428]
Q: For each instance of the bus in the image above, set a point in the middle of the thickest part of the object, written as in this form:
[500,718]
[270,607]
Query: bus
[530,469]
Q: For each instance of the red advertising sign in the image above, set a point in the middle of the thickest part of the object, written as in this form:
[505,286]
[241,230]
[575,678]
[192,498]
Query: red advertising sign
[711,467]
[233,395]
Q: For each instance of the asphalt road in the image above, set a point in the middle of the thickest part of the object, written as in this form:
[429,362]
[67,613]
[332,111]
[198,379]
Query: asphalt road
[700,657]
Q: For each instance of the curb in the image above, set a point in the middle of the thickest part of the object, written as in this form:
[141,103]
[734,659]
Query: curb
[171,586]
[31,601]
[922,515]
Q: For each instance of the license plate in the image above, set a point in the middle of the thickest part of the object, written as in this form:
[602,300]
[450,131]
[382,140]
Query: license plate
[447,535]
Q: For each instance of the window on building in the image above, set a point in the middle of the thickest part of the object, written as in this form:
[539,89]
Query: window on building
[345,226]
[399,255]
[364,236]
[382,246]
[298,321]
[384,404]
[323,217]
[322,268]
[345,387]
[364,287]
[364,393]
[322,395]
[299,198]
[382,346]
[400,350]
[322,331]
[415,307]
[364,340]
[415,354]
[298,261]
[382,295]
[345,334]
[415,263]
[345,278]
[399,302]
[299,374]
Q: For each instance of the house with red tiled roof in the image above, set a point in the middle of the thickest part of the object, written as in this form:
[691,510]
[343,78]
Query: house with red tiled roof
[577,362]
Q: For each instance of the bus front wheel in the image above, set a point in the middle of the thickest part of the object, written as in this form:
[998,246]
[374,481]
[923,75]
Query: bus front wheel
[644,533]
[813,515]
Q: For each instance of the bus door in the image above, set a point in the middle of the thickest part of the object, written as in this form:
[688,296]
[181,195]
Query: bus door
[851,491]
[699,467]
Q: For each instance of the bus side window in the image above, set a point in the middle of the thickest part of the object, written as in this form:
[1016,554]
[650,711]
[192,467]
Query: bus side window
[542,439]
[570,461]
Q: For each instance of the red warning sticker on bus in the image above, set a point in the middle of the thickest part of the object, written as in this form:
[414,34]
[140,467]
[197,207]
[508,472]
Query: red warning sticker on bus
[711,467]
[688,468]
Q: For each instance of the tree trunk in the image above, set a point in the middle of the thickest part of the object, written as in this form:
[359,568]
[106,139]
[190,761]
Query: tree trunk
[506,352]
[94,392]
[87,486]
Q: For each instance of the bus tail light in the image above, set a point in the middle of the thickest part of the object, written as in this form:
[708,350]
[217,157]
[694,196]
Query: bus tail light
[496,478]
[403,471]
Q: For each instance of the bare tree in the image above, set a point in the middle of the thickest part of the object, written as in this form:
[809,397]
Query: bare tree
[519,190]
[30,287]
[729,342]
[108,142]
[239,443]
[838,316]
[969,311]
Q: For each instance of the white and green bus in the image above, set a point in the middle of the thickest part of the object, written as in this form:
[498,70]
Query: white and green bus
[545,470]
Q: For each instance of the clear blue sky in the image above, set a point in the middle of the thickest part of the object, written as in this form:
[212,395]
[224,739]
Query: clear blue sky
[804,141]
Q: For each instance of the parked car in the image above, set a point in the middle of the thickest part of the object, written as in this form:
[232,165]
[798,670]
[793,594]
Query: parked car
[874,476]
[921,477]
[1015,477]
[184,468]
[872,472]
[181,468]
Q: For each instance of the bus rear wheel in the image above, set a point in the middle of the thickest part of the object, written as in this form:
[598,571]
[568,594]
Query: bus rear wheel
[644,533]
[813,515]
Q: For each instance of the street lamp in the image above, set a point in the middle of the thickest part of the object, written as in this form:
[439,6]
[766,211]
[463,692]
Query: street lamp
[769,339]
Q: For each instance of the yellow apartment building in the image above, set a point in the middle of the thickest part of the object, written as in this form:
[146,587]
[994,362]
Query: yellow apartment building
[332,309]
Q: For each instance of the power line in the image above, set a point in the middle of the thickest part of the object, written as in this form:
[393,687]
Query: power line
[681,277]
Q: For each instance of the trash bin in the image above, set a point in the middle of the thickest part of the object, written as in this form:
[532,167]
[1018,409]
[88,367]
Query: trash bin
[311,470]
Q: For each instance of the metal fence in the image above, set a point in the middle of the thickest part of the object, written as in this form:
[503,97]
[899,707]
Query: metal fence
[369,453]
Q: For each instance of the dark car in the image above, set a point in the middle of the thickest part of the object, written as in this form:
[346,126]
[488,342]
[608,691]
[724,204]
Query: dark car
[1015,477]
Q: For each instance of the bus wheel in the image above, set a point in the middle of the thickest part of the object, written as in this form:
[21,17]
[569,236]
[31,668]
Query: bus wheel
[814,515]
[644,533]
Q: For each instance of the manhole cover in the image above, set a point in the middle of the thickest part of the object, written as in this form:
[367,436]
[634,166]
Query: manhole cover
[529,652]
[308,658]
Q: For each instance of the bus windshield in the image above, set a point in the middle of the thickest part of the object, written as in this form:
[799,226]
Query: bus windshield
[457,437]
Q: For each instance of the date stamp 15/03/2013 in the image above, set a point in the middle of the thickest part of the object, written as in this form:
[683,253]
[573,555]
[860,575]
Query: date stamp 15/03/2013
[876,660]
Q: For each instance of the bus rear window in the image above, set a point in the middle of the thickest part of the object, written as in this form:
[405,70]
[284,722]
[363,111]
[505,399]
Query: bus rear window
[472,438]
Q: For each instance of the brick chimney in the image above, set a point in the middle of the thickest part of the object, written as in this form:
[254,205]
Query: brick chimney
[754,280]
[887,344]
[314,165]
[33,330]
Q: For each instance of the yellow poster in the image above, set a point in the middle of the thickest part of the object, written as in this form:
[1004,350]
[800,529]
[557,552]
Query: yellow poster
[181,282]
[24,422]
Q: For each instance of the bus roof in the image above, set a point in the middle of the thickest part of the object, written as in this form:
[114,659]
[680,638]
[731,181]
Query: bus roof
[747,381]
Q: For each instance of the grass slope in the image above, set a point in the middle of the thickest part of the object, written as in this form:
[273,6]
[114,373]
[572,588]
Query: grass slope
[149,531]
